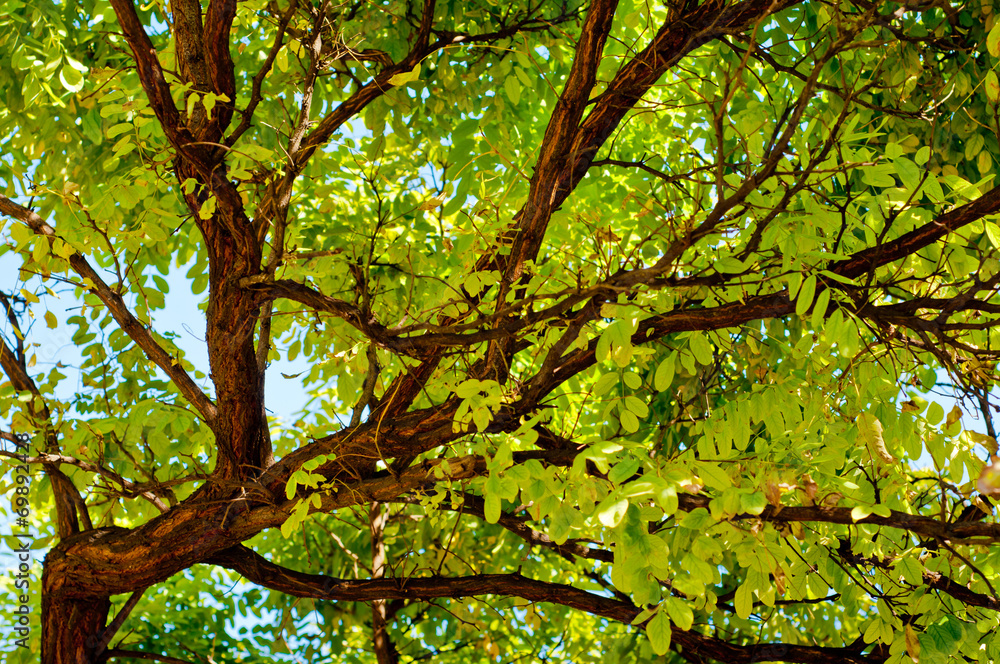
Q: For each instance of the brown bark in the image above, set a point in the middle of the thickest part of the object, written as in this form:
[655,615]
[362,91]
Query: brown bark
[385,649]
[72,629]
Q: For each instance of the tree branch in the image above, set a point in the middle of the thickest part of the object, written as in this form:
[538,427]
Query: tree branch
[762,307]
[678,36]
[259,570]
[69,504]
[385,649]
[960,592]
[126,321]
[560,134]
[151,74]
[965,532]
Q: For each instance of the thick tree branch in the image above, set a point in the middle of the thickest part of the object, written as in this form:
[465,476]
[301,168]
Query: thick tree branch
[262,572]
[110,561]
[218,23]
[918,238]
[680,35]
[151,74]
[562,130]
[385,649]
[960,592]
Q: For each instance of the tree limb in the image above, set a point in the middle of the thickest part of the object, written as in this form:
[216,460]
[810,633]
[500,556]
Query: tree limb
[265,573]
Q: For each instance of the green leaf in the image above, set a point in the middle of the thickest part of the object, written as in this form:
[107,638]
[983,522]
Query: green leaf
[878,175]
[820,309]
[664,376]
[807,293]
[632,381]
[730,265]
[935,413]
[743,601]
[680,613]
[992,86]
[659,633]
[933,188]
[492,508]
[713,475]
[993,233]
[71,79]
[636,405]
[405,77]
[702,349]
[861,512]
[753,503]
[610,512]
[604,384]
[513,89]
[908,172]
[624,470]
[993,40]
[629,421]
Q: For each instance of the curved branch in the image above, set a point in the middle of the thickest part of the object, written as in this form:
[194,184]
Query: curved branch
[760,307]
[259,570]
[918,238]
[960,592]
[566,166]
[69,503]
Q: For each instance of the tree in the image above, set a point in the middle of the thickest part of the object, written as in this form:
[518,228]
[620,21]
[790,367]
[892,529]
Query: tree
[624,326]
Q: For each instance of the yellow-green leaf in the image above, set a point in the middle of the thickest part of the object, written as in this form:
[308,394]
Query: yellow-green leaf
[743,601]
[405,77]
[993,40]
[992,86]
[658,631]
[807,293]
[664,376]
[993,233]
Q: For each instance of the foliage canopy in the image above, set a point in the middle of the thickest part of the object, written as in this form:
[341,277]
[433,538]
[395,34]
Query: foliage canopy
[626,326]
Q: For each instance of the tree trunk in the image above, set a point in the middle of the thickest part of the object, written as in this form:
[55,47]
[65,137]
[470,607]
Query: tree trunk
[72,628]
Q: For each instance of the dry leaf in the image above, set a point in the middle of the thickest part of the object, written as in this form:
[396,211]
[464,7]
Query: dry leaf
[870,429]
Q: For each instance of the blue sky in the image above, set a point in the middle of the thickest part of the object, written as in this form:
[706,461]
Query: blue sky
[181,316]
